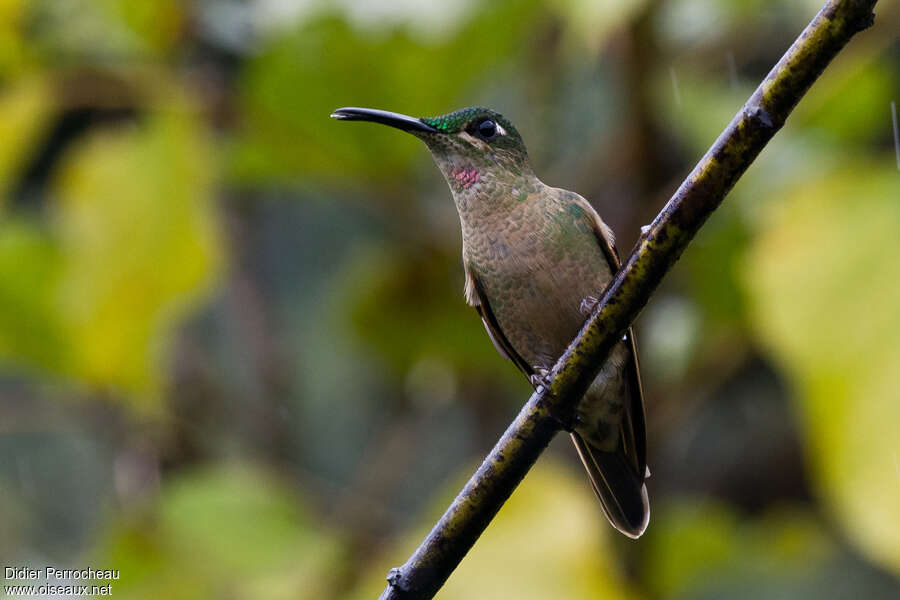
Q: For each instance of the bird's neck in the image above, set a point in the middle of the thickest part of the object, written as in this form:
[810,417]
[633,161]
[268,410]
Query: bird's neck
[483,194]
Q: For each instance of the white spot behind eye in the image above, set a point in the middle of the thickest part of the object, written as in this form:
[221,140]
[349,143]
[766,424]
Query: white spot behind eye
[500,130]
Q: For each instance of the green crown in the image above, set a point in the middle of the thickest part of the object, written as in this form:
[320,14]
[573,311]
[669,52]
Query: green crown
[454,122]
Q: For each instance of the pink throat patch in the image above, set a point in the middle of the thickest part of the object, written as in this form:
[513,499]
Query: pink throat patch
[465,176]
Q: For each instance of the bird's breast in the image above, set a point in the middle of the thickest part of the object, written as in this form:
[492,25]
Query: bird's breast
[536,268]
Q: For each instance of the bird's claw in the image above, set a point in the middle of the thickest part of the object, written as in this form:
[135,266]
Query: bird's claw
[539,378]
[588,305]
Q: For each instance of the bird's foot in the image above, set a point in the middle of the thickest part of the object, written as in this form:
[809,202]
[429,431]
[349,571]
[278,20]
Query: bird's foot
[540,377]
[588,305]
[644,229]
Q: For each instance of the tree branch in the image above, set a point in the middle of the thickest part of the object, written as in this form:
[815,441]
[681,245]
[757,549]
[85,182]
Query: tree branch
[550,410]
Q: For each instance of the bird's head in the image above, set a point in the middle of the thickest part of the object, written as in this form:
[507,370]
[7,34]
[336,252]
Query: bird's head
[471,146]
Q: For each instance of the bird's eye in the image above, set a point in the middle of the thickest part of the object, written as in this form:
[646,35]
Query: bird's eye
[487,129]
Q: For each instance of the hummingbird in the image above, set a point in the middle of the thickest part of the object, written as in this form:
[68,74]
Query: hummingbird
[534,258]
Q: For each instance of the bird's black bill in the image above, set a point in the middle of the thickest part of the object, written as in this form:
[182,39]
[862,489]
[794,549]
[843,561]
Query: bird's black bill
[382,116]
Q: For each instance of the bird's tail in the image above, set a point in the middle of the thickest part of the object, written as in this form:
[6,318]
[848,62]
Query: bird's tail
[619,487]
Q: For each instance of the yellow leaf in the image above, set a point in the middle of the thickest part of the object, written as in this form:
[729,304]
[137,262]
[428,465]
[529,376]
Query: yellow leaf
[550,540]
[824,279]
[137,234]
[13,47]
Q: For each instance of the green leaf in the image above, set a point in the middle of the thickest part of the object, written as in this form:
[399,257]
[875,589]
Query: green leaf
[102,31]
[851,106]
[226,531]
[700,548]
[303,74]
[31,332]
[413,307]
[712,265]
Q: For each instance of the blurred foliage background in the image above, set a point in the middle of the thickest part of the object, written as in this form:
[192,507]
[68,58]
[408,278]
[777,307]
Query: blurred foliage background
[235,360]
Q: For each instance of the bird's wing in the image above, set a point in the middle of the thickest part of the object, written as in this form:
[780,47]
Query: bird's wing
[476,297]
[634,429]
